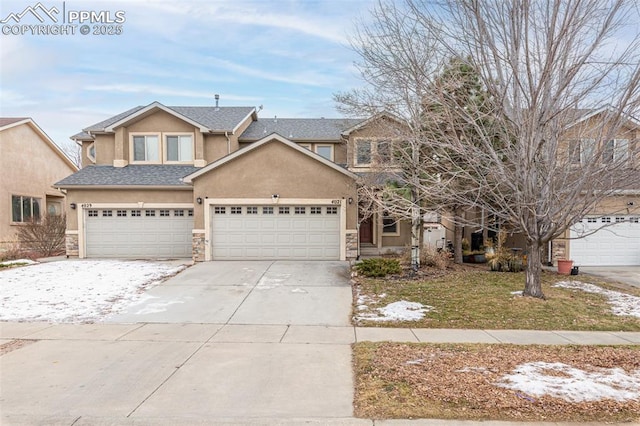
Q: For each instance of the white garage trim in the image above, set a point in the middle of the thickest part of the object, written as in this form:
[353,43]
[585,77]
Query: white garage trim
[209,202]
[82,207]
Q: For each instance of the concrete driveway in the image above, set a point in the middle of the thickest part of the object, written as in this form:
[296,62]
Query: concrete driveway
[249,292]
[222,342]
[629,275]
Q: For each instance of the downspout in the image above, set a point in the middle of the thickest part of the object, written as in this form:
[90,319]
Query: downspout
[226,134]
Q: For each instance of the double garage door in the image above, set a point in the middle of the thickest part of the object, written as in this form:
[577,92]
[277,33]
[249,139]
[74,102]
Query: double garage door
[275,232]
[617,244]
[138,233]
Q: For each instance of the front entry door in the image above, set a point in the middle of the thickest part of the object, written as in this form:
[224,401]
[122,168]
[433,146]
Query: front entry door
[366,231]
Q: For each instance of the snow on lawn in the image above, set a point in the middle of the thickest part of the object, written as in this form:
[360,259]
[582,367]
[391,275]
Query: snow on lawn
[17,262]
[397,311]
[621,304]
[572,384]
[76,291]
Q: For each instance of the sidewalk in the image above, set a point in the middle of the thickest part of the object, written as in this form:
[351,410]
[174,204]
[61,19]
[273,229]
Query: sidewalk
[166,374]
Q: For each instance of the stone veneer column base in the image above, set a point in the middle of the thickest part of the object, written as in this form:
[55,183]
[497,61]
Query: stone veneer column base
[351,245]
[198,246]
[71,245]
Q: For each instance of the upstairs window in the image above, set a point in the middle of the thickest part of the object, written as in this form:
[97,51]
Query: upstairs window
[363,152]
[179,148]
[587,149]
[91,152]
[325,151]
[146,148]
[615,150]
[373,151]
[23,209]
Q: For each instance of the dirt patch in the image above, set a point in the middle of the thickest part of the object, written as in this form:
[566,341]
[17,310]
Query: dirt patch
[471,382]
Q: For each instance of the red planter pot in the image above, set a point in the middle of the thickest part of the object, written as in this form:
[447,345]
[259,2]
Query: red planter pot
[564,266]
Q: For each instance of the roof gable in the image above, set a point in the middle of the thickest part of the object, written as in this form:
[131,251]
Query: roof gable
[8,123]
[272,138]
[582,115]
[372,119]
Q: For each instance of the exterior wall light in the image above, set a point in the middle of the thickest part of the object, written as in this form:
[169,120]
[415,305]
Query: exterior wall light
[350,200]
[199,200]
[73,206]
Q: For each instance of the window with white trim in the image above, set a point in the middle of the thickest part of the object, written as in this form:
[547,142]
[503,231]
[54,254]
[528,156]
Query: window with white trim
[606,220]
[136,213]
[587,150]
[236,210]
[300,210]
[363,152]
[332,210]
[325,151]
[373,151]
[190,212]
[267,210]
[592,220]
[219,210]
[316,210]
[121,213]
[619,219]
[283,210]
[23,209]
[252,210]
[165,213]
[178,213]
[150,213]
[92,213]
[179,148]
[145,148]
[615,150]
[107,213]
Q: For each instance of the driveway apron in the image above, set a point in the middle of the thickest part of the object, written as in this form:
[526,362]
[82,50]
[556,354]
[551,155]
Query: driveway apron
[211,344]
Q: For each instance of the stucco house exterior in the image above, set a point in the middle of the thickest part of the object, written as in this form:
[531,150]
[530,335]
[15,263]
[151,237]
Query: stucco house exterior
[30,162]
[218,183]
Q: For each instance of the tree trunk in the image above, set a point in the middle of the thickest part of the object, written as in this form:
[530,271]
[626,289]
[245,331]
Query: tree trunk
[533,285]
[457,236]
[416,227]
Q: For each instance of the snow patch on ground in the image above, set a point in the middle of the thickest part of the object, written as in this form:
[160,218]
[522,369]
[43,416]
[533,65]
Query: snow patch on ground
[572,384]
[272,281]
[398,311]
[621,304]
[18,262]
[77,290]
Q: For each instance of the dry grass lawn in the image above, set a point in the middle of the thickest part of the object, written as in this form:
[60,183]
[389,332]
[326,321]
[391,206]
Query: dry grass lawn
[473,297]
[396,380]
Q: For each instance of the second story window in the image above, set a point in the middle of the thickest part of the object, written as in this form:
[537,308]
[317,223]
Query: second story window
[146,148]
[615,150]
[363,152]
[325,151]
[179,148]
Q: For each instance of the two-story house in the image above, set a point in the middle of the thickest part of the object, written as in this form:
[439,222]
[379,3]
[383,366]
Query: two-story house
[218,183]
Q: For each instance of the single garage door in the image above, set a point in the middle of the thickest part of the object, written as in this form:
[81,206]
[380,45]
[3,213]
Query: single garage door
[138,233]
[617,244]
[275,232]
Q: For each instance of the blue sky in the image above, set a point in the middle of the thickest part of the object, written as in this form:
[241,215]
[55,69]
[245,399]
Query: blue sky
[290,56]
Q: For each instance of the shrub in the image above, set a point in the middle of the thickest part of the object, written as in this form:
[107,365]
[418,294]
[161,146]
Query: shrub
[378,267]
[11,252]
[45,237]
[504,260]
[434,258]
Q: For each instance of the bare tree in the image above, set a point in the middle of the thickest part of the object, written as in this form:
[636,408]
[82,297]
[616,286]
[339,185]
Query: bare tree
[561,84]
[45,236]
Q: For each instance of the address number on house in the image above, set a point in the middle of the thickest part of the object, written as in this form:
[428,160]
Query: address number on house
[335,201]
[86,205]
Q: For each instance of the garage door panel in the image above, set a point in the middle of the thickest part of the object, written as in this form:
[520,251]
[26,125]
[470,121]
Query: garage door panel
[615,245]
[127,236]
[286,233]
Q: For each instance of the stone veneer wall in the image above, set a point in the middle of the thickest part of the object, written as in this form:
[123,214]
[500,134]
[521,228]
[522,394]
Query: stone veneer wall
[352,245]
[72,245]
[198,246]
[558,250]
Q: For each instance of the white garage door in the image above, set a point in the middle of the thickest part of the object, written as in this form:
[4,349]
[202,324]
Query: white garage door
[138,233]
[275,232]
[617,244]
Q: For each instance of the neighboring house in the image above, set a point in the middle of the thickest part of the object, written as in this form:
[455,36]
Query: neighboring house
[30,162]
[217,183]
[618,242]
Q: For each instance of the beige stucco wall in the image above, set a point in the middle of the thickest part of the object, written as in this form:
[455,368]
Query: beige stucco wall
[29,166]
[275,168]
[122,196]
[216,147]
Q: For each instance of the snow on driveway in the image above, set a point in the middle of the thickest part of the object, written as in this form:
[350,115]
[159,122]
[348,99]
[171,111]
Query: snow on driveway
[622,304]
[76,290]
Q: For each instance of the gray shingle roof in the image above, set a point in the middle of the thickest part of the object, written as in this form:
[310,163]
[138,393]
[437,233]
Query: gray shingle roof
[215,119]
[132,175]
[297,129]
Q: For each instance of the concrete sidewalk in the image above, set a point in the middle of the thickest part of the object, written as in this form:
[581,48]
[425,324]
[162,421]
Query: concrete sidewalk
[161,374]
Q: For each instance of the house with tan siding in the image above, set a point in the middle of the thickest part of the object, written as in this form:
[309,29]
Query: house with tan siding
[30,163]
